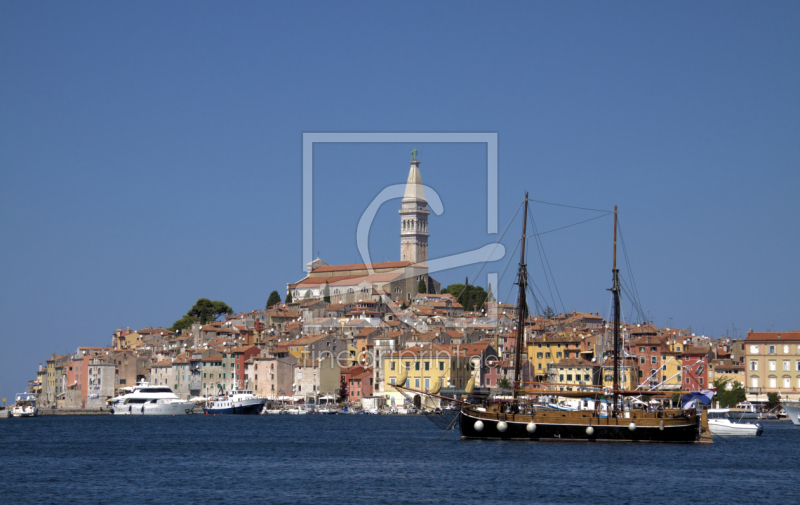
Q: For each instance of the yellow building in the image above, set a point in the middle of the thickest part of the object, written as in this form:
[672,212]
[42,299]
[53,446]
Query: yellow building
[628,374]
[726,369]
[547,350]
[672,366]
[574,373]
[426,368]
[772,361]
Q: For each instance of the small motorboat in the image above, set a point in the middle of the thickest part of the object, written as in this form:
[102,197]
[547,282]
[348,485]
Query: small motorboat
[25,406]
[720,424]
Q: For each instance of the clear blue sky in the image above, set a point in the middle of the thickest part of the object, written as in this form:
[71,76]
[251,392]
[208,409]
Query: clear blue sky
[151,153]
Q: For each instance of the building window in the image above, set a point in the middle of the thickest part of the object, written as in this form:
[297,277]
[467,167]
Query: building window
[653,360]
[787,382]
[785,366]
[773,382]
[391,366]
[786,349]
[441,365]
[558,355]
[772,365]
[753,349]
[547,355]
[416,366]
[771,349]
[427,365]
[753,366]
[569,376]
[538,355]
[641,360]
[561,377]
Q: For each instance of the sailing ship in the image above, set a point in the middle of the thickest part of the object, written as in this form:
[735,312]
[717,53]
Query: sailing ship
[518,420]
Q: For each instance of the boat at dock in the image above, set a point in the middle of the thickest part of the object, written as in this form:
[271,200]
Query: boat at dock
[721,424]
[24,406]
[746,410]
[241,402]
[147,400]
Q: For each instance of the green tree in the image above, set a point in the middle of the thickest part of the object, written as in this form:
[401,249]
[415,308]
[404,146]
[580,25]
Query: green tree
[504,383]
[421,287]
[549,313]
[403,306]
[274,298]
[202,312]
[773,399]
[289,297]
[431,289]
[470,297]
[183,323]
[326,293]
[729,394]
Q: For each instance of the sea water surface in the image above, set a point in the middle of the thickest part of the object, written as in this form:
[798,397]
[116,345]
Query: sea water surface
[357,459]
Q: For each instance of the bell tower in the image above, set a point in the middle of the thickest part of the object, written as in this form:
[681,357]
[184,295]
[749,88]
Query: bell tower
[414,217]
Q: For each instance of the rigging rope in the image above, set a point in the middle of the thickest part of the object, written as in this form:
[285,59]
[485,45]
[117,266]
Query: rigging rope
[539,240]
[570,206]
[497,243]
[546,278]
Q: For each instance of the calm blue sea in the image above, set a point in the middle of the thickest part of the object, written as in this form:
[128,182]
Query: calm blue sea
[370,459]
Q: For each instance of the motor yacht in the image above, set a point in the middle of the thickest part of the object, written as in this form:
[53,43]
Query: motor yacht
[25,406]
[720,424]
[147,400]
[235,402]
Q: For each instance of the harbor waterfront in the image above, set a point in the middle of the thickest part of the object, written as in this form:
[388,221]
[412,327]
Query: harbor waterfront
[370,459]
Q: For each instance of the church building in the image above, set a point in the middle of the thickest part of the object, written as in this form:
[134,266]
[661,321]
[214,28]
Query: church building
[395,280]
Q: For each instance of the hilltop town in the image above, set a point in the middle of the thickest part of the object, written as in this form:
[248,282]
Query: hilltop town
[345,333]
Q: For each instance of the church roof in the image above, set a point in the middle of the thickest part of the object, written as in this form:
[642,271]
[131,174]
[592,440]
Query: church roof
[362,266]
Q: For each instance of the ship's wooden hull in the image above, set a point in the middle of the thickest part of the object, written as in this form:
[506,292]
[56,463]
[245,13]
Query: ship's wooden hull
[578,426]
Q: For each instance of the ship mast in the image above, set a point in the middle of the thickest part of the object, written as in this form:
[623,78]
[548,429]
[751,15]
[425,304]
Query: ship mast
[522,305]
[615,292]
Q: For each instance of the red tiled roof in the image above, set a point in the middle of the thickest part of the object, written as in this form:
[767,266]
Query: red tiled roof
[361,266]
[769,336]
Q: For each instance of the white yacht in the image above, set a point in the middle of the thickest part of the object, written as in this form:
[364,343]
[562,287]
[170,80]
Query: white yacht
[720,423]
[146,400]
[793,411]
[235,402]
[25,406]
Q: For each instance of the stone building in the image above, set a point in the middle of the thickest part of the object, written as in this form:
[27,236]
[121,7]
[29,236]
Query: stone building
[101,378]
[394,280]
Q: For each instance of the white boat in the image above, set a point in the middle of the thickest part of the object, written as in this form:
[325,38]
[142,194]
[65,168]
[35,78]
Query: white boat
[720,424]
[146,400]
[300,410]
[25,406]
[746,410]
[235,402]
[793,411]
